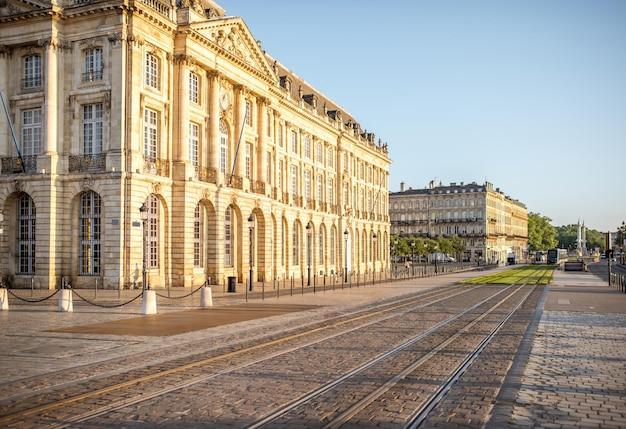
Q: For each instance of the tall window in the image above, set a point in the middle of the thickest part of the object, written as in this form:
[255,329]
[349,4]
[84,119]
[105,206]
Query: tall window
[248,113]
[293,142]
[32,71]
[319,156]
[150,135]
[330,158]
[330,195]
[197,237]
[268,168]
[307,185]
[194,143]
[152,255]
[333,244]
[194,88]
[320,189]
[152,71]
[320,246]
[307,147]
[223,147]
[26,235]
[90,230]
[93,65]
[31,132]
[280,175]
[228,237]
[248,161]
[92,129]
[294,181]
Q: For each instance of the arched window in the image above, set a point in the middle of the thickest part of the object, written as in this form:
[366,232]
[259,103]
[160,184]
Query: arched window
[152,256]
[198,223]
[228,237]
[26,235]
[295,245]
[321,246]
[90,231]
[333,244]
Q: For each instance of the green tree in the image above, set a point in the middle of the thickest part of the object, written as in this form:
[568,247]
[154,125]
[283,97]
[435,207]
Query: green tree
[541,234]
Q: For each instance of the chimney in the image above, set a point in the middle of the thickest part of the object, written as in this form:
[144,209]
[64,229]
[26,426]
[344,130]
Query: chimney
[402,186]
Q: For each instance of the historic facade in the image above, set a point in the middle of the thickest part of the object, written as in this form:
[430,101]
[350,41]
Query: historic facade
[122,105]
[491,224]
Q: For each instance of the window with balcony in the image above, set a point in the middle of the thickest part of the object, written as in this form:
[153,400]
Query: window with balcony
[92,129]
[194,88]
[150,133]
[194,143]
[223,147]
[152,71]
[93,66]
[31,132]
[32,71]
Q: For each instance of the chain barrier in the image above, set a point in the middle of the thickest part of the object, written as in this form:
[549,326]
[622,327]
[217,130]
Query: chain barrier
[95,304]
[182,296]
[33,300]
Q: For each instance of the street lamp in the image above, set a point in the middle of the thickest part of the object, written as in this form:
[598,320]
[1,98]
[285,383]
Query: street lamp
[345,235]
[143,214]
[251,228]
[308,253]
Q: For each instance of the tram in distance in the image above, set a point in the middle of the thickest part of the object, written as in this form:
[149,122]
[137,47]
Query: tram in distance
[556,255]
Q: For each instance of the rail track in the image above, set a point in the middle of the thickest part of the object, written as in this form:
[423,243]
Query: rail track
[393,360]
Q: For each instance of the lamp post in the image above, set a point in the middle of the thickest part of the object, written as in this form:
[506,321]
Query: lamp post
[308,253]
[251,228]
[345,235]
[143,214]
[435,259]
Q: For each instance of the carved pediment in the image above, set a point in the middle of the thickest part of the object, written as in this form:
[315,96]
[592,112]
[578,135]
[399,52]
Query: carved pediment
[234,38]
[17,7]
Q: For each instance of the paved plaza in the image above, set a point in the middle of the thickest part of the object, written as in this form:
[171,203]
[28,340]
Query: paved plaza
[570,370]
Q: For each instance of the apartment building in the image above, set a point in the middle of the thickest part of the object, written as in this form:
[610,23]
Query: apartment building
[491,224]
[159,141]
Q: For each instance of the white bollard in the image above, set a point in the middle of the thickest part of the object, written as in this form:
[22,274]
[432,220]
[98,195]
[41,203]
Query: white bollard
[66,303]
[149,305]
[4,299]
[206,297]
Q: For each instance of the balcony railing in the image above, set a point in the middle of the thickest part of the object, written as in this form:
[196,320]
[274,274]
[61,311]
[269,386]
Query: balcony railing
[13,165]
[234,181]
[87,162]
[208,175]
[153,165]
[258,187]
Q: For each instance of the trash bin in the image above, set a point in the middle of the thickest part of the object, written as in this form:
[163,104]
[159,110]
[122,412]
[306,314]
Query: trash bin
[232,284]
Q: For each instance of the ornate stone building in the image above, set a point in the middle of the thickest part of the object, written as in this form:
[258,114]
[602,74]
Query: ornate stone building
[117,105]
[491,224]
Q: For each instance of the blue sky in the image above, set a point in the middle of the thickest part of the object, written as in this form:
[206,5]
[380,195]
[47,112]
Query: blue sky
[529,95]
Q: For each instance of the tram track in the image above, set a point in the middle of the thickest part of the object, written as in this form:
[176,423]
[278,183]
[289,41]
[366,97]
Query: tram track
[105,394]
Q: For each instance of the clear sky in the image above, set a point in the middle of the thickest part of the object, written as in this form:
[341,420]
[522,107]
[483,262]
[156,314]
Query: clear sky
[529,95]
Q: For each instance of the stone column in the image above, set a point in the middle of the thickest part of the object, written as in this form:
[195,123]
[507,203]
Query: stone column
[213,145]
[240,125]
[51,97]
[262,142]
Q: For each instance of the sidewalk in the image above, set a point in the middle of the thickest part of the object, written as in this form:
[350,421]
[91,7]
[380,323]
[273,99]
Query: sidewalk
[572,372]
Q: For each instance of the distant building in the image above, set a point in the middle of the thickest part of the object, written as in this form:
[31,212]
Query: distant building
[173,107]
[491,224]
